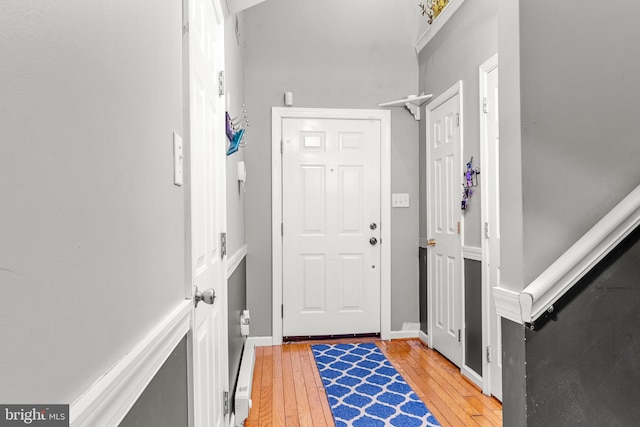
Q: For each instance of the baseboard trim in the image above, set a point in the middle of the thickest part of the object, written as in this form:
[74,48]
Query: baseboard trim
[261,341]
[472,375]
[398,335]
[110,398]
[423,337]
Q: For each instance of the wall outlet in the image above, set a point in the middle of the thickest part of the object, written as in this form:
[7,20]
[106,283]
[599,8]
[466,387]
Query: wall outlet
[400,200]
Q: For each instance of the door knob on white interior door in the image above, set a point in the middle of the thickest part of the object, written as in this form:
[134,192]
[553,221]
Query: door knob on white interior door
[373,241]
[431,242]
[208,296]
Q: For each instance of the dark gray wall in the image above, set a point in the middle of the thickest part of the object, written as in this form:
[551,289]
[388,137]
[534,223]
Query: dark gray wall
[514,390]
[92,226]
[473,314]
[583,367]
[237,301]
[423,290]
[164,403]
[331,54]
[468,39]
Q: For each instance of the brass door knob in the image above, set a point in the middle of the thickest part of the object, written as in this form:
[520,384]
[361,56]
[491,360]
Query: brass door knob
[431,242]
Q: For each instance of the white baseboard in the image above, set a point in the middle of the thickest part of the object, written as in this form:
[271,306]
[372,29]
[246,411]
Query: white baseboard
[260,341]
[398,335]
[423,337]
[110,398]
[472,375]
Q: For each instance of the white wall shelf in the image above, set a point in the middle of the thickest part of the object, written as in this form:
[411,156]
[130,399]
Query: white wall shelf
[438,23]
[412,102]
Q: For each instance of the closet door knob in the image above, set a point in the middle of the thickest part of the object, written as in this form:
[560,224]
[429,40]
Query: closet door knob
[373,241]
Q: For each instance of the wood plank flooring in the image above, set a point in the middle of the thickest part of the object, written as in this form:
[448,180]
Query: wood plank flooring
[288,392]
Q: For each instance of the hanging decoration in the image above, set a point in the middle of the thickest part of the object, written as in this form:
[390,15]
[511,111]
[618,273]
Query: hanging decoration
[236,133]
[432,8]
[470,182]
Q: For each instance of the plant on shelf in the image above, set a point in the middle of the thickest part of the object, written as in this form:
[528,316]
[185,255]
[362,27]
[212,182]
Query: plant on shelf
[432,8]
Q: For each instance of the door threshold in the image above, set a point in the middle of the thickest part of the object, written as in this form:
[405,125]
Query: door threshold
[297,339]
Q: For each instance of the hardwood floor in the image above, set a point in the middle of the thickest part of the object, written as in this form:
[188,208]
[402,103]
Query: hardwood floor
[287,389]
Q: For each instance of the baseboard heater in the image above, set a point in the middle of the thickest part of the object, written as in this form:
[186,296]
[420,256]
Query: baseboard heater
[245,382]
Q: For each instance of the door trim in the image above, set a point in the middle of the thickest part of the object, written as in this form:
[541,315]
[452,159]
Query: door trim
[454,90]
[277,116]
[484,69]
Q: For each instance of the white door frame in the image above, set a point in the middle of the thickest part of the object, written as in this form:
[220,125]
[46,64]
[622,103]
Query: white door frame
[454,90]
[484,69]
[277,116]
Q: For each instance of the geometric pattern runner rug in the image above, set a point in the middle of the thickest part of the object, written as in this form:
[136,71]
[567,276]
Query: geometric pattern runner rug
[365,390]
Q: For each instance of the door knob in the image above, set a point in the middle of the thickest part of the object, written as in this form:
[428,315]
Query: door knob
[373,226]
[208,296]
[431,242]
[373,241]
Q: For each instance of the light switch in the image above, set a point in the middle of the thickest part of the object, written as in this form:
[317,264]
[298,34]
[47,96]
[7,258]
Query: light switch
[178,160]
[400,200]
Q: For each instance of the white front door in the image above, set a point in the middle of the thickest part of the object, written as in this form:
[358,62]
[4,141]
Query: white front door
[331,226]
[492,228]
[444,216]
[206,192]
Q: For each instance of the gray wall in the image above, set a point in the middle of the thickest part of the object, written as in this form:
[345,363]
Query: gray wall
[234,92]
[580,146]
[582,366]
[91,225]
[164,403]
[340,55]
[467,40]
[573,135]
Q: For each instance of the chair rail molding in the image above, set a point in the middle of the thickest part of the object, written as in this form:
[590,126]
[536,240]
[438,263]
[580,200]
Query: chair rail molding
[538,297]
[580,258]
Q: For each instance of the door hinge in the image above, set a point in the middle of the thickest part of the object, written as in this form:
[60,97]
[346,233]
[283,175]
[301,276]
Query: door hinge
[223,244]
[281,146]
[282,228]
[185,28]
[458,119]
[282,311]
[488,354]
[458,227]
[221,83]
[484,105]
[225,401]
[459,335]
[486,230]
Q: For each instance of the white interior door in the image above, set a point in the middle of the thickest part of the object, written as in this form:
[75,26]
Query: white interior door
[444,215]
[492,228]
[331,226]
[207,211]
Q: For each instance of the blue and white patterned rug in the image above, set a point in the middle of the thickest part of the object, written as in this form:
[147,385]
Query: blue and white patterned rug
[365,390]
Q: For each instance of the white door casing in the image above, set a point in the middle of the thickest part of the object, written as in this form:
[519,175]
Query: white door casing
[444,190]
[489,141]
[331,217]
[382,119]
[206,212]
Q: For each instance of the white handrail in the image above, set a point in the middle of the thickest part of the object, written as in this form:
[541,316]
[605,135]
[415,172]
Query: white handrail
[567,270]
